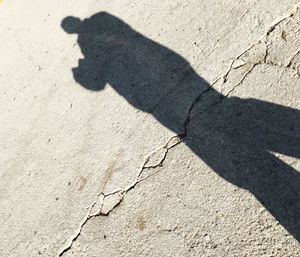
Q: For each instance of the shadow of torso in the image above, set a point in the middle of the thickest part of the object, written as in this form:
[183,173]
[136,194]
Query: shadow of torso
[148,75]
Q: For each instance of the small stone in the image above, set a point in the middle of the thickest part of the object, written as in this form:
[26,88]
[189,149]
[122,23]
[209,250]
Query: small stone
[283,35]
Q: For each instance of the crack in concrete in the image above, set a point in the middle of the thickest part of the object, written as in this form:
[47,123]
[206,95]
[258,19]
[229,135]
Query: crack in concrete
[180,137]
[89,215]
[242,80]
[289,65]
[264,60]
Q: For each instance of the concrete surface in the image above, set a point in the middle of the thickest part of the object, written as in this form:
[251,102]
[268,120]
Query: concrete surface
[150,128]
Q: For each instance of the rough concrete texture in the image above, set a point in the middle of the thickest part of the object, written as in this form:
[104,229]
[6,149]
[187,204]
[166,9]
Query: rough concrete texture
[150,128]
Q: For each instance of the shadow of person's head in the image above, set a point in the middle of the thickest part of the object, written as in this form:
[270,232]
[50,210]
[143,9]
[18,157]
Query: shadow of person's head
[101,38]
[71,24]
[101,23]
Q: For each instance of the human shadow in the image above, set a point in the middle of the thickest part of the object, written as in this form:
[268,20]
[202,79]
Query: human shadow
[236,137]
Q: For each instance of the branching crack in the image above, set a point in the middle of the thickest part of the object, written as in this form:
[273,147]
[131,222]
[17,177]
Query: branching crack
[88,216]
[143,174]
[172,142]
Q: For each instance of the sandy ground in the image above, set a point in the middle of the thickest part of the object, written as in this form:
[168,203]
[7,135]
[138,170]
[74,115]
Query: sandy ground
[150,128]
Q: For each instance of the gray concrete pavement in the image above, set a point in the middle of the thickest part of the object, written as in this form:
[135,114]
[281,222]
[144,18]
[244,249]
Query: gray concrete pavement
[162,128]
